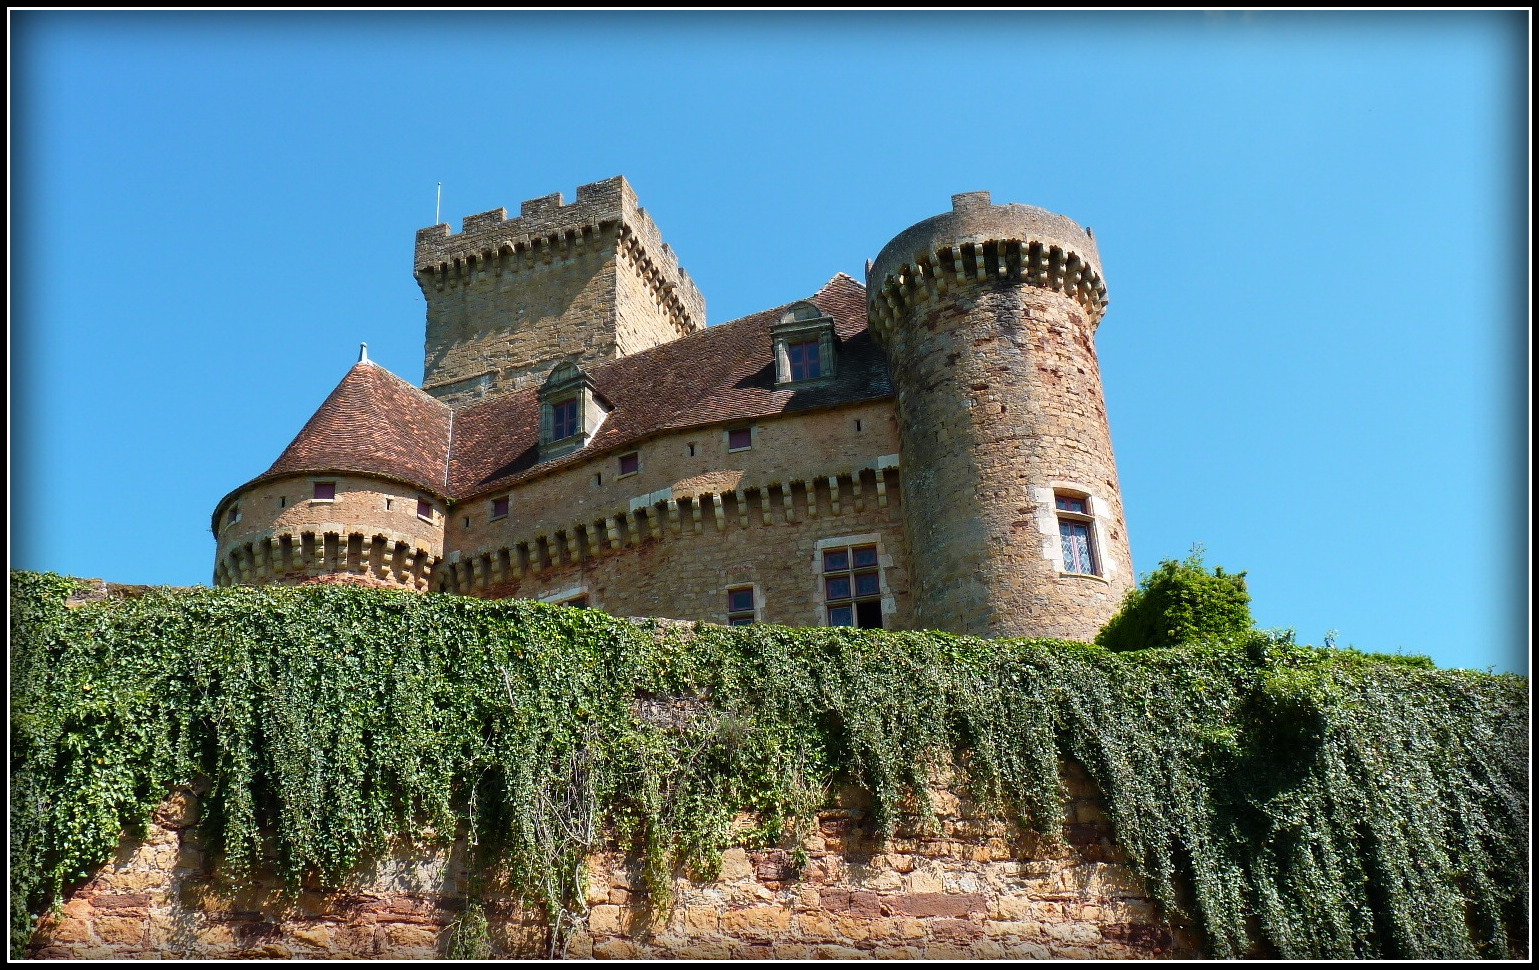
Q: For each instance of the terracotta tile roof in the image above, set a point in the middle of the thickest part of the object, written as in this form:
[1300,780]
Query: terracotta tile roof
[723,373]
[373,423]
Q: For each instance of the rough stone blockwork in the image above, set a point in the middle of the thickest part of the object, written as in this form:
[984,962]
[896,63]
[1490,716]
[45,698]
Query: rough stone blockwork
[968,887]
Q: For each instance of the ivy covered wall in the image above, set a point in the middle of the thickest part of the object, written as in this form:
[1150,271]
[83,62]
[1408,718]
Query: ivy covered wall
[1295,800]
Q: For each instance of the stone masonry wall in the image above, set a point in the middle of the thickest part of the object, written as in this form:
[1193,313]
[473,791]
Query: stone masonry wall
[512,324]
[656,543]
[508,298]
[285,535]
[1000,408]
[969,887]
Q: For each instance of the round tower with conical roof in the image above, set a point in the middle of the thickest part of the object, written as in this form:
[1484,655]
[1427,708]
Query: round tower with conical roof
[1011,502]
[357,497]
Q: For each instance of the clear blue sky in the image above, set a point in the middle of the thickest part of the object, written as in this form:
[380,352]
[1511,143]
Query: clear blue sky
[1314,229]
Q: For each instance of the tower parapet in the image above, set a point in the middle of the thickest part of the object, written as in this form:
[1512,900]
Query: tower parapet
[587,281]
[1013,510]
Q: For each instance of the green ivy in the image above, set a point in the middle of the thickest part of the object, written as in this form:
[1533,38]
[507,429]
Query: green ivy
[1312,803]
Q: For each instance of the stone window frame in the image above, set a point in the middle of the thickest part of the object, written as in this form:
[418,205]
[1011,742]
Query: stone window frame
[804,322]
[634,471]
[568,596]
[754,615]
[315,483]
[568,383]
[883,565]
[232,515]
[507,506]
[432,510]
[1097,517]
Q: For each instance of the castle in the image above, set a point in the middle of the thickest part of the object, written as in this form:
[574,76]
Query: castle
[927,451]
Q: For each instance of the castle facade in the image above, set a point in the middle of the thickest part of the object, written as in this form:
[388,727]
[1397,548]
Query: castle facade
[927,450]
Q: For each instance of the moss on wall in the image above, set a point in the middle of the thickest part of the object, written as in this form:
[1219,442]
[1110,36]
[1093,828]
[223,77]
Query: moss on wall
[1316,802]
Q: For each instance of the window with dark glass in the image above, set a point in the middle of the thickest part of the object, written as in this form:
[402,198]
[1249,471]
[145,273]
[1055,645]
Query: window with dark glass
[805,361]
[499,507]
[234,515]
[739,438]
[563,419]
[630,464]
[425,509]
[325,491]
[740,606]
[1076,534]
[852,587]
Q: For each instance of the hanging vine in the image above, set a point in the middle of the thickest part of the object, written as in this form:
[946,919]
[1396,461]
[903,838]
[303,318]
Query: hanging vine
[1318,803]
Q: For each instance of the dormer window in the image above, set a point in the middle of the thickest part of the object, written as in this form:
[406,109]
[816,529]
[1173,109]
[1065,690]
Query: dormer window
[570,412]
[563,421]
[804,345]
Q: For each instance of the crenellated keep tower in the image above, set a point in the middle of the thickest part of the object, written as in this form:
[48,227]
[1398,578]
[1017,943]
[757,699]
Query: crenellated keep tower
[1011,502]
[588,282]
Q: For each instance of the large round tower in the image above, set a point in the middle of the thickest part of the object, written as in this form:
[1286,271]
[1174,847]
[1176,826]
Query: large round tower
[1010,496]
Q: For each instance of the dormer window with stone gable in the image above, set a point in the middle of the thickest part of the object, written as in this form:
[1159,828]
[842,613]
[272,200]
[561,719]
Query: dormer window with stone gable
[804,345]
[570,412]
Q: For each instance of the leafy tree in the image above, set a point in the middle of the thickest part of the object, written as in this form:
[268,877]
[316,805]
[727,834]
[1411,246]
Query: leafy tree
[1180,602]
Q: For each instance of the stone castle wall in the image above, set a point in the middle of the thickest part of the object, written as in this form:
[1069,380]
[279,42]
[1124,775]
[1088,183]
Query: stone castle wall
[970,887]
[370,532]
[990,333]
[508,298]
[696,519]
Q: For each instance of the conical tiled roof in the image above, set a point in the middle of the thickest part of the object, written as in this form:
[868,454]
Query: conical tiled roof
[374,423]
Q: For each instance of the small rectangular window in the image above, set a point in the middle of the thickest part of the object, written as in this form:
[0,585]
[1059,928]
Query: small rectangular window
[630,464]
[325,491]
[283,502]
[388,503]
[563,419]
[424,509]
[1070,503]
[233,516]
[740,606]
[500,507]
[805,362]
[739,438]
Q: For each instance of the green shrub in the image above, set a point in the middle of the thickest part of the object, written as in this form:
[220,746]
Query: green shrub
[1178,603]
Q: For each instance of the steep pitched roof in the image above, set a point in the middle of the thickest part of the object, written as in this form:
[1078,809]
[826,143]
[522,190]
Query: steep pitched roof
[723,373]
[373,423]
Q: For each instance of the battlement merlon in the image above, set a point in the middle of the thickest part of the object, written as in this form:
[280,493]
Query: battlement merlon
[980,239]
[607,206]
